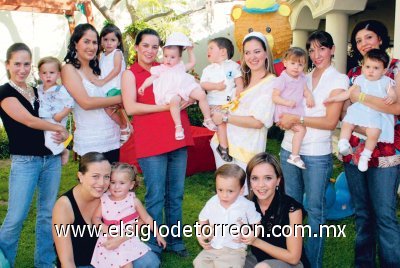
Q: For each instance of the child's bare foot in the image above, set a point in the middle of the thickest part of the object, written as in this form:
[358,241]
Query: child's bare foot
[64,157]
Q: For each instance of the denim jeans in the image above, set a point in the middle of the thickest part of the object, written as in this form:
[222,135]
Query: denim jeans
[148,260]
[164,177]
[28,173]
[313,181]
[374,198]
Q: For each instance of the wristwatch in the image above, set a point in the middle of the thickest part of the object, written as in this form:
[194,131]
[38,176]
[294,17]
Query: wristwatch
[225,118]
[302,120]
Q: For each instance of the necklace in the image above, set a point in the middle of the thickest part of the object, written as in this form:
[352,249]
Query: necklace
[27,93]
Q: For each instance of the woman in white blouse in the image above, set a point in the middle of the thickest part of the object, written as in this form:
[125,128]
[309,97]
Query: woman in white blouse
[95,131]
[250,116]
[316,150]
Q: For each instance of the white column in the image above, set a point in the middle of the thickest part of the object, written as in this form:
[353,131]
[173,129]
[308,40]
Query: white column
[337,25]
[300,38]
[396,48]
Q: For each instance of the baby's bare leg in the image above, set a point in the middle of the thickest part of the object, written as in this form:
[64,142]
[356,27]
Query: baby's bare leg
[64,157]
[199,95]
[372,138]
[175,110]
[346,130]
[299,133]
[222,135]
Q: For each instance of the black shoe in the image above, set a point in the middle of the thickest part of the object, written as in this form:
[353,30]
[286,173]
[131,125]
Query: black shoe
[182,253]
[224,153]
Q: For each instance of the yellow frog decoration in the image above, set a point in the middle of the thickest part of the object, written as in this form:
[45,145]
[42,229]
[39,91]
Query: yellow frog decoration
[265,16]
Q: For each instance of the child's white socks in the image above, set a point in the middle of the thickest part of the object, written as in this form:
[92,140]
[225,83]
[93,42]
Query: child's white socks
[364,159]
[344,147]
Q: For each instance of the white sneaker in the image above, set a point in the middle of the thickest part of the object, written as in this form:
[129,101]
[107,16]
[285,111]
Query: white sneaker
[363,163]
[344,147]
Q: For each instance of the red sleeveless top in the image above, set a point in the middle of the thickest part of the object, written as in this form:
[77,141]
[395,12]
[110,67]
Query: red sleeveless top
[154,133]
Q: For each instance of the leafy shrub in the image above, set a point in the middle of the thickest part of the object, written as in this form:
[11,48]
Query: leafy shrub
[195,115]
[4,151]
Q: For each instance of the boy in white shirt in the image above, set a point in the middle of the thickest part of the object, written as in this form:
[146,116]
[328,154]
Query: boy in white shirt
[222,80]
[225,209]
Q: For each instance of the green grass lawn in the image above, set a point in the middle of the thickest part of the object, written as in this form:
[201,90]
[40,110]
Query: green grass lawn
[199,188]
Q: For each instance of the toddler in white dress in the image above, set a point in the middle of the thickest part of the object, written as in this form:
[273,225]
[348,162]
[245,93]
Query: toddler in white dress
[112,64]
[378,126]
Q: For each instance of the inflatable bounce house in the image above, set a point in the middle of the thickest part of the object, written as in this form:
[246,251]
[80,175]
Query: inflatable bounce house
[337,198]
[3,261]
[268,17]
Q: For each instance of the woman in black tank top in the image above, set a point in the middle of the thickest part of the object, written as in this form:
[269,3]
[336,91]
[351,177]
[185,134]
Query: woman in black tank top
[75,210]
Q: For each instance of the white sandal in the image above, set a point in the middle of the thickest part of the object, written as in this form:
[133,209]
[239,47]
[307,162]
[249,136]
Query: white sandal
[296,160]
[179,134]
[208,123]
[128,132]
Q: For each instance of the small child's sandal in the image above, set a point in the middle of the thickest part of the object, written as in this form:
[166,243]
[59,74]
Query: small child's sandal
[297,161]
[208,123]
[179,134]
[224,153]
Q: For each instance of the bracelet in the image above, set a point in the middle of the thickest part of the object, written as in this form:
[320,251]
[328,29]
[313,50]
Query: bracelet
[361,97]
[302,120]
[225,118]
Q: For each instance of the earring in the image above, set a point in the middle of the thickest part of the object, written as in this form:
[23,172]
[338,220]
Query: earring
[73,54]
[243,71]
[277,188]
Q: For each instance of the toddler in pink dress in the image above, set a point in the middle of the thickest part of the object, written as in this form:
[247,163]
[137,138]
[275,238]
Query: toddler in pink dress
[119,204]
[290,89]
[171,83]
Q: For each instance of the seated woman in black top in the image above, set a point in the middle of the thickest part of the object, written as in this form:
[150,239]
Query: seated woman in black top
[264,176]
[32,164]
[76,208]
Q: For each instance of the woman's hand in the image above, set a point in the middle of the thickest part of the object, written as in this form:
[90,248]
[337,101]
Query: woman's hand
[60,136]
[161,241]
[287,121]
[217,117]
[354,93]
[98,82]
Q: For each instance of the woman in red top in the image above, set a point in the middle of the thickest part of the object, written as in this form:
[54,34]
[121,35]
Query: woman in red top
[374,191]
[161,157]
